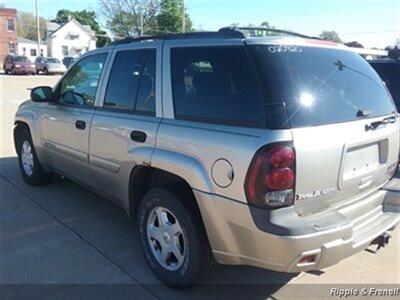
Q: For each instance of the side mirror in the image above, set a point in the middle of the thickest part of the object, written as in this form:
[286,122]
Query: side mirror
[42,94]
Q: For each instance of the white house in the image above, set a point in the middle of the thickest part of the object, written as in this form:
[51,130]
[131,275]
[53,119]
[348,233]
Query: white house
[69,39]
[29,48]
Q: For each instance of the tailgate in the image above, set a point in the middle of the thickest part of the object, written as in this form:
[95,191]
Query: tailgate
[339,163]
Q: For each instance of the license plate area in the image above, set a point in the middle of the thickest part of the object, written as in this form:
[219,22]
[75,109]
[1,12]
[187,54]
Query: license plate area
[362,164]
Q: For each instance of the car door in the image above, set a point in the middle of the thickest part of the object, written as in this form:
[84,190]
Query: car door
[124,126]
[65,125]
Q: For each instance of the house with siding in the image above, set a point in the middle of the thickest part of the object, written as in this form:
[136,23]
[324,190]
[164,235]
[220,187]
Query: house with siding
[29,48]
[69,39]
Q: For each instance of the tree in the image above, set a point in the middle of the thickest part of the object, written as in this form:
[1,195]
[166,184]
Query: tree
[27,26]
[354,44]
[85,17]
[170,18]
[393,52]
[126,18]
[330,36]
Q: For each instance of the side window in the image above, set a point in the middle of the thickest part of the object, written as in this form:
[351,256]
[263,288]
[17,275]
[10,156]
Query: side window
[131,85]
[146,98]
[216,85]
[124,79]
[79,86]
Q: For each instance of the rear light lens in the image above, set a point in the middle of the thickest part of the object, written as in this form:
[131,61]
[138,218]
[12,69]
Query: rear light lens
[279,179]
[271,178]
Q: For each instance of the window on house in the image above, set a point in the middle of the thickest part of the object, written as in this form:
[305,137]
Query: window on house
[24,50]
[64,50]
[11,48]
[10,25]
[33,52]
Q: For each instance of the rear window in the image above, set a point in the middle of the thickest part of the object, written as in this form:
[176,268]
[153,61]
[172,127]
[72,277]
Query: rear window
[390,74]
[21,58]
[216,85]
[323,86]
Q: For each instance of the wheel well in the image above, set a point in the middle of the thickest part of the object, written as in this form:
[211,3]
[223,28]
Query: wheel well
[144,178]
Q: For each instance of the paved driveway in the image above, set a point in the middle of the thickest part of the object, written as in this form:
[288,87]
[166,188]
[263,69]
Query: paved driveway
[63,234]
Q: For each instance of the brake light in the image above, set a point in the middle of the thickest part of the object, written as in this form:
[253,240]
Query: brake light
[279,179]
[271,177]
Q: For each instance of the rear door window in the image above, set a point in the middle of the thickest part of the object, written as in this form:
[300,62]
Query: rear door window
[216,85]
[131,85]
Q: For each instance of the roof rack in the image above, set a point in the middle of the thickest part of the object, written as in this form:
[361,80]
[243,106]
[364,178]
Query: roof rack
[266,29]
[222,33]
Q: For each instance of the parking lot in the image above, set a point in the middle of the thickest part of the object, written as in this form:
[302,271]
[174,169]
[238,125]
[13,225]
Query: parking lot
[63,234]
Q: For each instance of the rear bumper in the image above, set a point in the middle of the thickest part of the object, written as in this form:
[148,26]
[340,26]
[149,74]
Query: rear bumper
[236,239]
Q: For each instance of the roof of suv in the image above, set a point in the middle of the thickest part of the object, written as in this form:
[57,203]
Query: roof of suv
[278,36]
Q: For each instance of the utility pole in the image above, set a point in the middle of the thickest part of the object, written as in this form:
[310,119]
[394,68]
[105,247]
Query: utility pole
[38,28]
[183,16]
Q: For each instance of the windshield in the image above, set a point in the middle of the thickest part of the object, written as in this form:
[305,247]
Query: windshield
[52,60]
[21,59]
[323,86]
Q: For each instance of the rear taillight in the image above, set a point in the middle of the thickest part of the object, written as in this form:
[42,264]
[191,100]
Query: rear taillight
[271,177]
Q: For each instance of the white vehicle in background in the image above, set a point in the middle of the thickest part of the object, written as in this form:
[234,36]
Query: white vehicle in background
[49,65]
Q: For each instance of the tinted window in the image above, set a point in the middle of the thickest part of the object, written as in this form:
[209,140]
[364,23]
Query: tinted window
[79,86]
[390,74]
[323,86]
[216,85]
[131,85]
[21,58]
[124,79]
[146,101]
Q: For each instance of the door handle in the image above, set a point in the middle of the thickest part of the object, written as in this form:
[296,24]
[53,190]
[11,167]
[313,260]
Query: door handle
[80,124]
[138,136]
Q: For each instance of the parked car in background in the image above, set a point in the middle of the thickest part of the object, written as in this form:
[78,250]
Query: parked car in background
[49,65]
[389,70]
[68,61]
[274,152]
[18,64]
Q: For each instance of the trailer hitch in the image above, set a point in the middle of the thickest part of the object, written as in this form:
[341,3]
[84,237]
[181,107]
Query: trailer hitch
[381,241]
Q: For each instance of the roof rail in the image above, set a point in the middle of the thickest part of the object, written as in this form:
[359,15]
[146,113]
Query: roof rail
[250,28]
[189,35]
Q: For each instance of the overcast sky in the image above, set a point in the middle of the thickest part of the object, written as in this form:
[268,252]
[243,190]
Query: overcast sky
[374,23]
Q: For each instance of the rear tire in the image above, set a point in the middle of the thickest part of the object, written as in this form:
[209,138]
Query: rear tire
[180,235]
[29,164]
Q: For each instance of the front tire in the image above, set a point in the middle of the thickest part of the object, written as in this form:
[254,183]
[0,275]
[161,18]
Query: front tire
[173,239]
[29,164]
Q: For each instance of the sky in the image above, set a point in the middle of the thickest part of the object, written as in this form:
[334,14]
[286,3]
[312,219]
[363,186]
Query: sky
[374,23]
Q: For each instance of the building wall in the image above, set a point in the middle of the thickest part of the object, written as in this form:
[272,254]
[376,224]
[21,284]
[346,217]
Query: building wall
[7,37]
[70,40]
[26,48]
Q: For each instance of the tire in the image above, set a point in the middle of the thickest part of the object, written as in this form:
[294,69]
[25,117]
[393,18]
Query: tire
[29,164]
[45,71]
[196,261]
[13,71]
